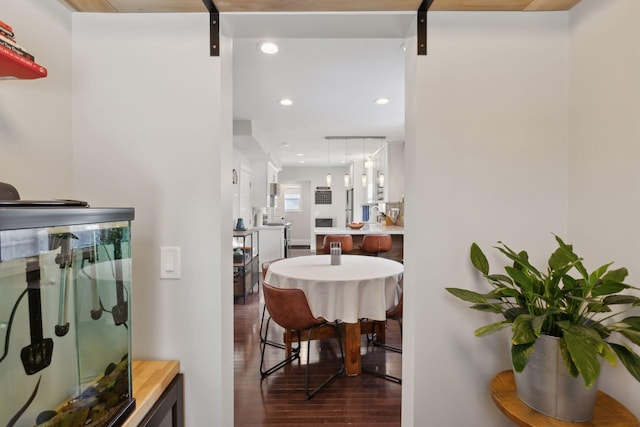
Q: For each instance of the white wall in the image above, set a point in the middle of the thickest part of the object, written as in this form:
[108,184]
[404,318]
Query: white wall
[35,115]
[486,158]
[317,176]
[152,130]
[605,148]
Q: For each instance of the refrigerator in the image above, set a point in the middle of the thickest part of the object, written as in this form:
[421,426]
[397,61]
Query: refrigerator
[349,207]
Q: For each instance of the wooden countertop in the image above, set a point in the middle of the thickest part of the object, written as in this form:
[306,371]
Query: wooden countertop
[367,229]
[150,379]
[607,412]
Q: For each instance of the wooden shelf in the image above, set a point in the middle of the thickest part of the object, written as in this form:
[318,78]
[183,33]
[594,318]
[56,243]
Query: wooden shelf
[128,6]
[150,379]
[607,412]
[247,272]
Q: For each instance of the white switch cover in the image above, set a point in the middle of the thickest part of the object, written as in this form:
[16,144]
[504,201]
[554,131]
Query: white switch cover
[169,262]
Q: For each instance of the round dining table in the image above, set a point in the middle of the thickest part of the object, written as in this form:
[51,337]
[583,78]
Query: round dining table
[359,287]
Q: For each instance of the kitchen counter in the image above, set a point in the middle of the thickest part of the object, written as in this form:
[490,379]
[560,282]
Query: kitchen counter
[367,229]
[397,238]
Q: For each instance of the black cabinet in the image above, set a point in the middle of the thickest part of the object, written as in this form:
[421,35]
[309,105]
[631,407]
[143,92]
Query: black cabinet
[168,411]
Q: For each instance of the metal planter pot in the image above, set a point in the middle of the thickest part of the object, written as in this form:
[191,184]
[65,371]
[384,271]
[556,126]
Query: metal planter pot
[546,385]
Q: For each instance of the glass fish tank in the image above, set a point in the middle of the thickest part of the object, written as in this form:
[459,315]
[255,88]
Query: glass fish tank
[65,314]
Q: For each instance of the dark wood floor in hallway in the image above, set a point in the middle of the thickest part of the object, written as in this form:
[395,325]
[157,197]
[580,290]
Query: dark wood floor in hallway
[279,400]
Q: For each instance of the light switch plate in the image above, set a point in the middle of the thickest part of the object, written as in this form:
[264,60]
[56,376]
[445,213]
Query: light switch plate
[169,262]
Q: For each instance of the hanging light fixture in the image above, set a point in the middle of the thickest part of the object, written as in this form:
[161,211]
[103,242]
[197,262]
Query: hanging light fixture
[347,175]
[328,166]
[364,170]
[368,163]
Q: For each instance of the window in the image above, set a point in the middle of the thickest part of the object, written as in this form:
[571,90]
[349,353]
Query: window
[292,198]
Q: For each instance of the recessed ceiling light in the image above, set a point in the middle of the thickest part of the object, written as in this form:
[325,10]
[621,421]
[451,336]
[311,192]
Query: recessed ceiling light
[286,145]
[381,101]
[286,102]
[301,161]
[269,48]
[300,154]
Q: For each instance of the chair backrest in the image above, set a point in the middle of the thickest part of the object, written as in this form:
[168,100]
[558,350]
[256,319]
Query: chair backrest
[289,308]
[376,243]
[265,267]
[346,242]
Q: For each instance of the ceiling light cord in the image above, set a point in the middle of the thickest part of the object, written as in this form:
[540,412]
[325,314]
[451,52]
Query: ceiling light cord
[347,175]
[363,178]
[328,165]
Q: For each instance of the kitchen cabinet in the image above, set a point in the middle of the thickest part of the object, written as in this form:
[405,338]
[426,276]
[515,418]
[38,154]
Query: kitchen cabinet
[272,243]
[387,161]
[377,193]
[263,175]
[246,262]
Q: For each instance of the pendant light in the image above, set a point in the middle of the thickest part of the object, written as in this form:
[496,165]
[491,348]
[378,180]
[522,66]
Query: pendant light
[347,175]
[364,171]
[328,166]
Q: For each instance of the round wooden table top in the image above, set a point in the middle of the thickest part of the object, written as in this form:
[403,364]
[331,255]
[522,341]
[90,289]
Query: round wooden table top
[607,412]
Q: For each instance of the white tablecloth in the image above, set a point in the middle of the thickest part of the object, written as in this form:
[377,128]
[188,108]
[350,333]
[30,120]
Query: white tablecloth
[362,286]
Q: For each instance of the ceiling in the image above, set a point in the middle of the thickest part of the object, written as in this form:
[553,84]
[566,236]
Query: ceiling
[332,65]
[333,68]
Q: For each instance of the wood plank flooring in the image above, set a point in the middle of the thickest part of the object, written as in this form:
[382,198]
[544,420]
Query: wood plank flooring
[279,399]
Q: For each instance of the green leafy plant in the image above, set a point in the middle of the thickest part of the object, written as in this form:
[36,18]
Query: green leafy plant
[578,310]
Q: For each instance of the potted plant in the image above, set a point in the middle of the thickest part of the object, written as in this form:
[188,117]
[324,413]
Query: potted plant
[563,307]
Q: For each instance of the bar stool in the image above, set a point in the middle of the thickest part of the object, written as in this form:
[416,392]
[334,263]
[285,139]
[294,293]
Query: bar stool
[346,241]
[375,244]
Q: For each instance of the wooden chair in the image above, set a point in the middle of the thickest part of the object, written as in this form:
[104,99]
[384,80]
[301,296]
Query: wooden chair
[346,241]
[375,244]
[289,308]
[394,313]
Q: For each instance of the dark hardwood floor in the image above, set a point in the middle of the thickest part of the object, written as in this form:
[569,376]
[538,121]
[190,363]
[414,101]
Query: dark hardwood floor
[279,399]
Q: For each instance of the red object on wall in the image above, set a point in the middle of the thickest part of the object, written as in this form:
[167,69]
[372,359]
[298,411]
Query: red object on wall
[14,65]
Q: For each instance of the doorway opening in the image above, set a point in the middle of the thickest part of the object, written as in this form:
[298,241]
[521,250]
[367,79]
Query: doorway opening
[330,102]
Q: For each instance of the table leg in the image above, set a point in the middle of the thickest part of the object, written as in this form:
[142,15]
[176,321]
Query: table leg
[352,361]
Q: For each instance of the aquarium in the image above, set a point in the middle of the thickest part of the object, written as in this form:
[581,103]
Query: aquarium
[65,314]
